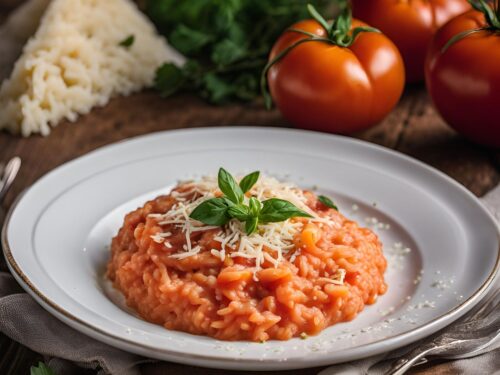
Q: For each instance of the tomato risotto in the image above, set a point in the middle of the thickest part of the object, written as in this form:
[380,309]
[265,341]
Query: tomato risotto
[286,279]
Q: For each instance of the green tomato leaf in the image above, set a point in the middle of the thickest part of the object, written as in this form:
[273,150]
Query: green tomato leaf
[41,369]
[251,225]
[169,79]
[327,202]
[228,185]
[212,212]
[127,42]
[249,181]
[275,210]
[240,212]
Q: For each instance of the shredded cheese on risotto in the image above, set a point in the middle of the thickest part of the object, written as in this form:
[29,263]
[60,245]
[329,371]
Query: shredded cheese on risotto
[276,238]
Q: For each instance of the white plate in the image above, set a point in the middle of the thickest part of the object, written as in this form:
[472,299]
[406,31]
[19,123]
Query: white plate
[56,239]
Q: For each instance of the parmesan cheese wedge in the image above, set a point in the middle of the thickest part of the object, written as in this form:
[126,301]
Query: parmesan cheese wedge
[76,60]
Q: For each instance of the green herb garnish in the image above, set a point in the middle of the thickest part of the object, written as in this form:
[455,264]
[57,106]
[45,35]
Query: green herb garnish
[41,369]
[227,43]
[127,42]
[327,202]
[218,211]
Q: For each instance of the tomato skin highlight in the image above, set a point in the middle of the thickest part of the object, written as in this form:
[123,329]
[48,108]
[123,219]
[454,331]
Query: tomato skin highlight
[464,80]
[410,25]
[324,87]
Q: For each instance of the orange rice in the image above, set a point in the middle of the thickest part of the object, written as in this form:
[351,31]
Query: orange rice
[230,300]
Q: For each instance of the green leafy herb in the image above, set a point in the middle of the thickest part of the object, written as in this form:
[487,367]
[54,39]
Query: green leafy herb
[249,181]
[327,202]
[240,212]
[212,212]
[128,41]
[251,225]
[229,186]
[255,206]
[228,40]
[168,79]
[41,369]
[218,211]
[275,210]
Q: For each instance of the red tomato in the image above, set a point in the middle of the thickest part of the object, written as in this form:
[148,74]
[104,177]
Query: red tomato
[410,24]
[464,80]
[326,87]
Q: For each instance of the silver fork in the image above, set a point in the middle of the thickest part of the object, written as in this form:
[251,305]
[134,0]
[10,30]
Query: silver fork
[464,339]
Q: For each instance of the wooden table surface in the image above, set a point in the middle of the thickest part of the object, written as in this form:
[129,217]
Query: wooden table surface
[412,128]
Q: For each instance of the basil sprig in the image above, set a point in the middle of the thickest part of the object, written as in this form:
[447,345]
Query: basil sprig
[218,211]
[327,202]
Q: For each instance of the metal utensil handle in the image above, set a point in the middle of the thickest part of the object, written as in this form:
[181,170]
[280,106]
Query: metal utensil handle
[9,174]
[410,359]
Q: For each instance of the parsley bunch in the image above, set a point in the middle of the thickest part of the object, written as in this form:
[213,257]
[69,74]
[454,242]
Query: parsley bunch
[227,43]
[218,211]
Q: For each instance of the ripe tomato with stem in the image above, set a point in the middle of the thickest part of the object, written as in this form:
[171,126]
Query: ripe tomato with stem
[339,77]
[463,73]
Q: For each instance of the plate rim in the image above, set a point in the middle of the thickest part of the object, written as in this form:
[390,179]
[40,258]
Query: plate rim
[393,341]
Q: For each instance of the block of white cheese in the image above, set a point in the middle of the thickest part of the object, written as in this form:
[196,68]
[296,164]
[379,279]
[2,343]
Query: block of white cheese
[83,53]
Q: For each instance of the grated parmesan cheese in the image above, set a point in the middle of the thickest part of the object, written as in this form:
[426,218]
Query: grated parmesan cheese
[269,243]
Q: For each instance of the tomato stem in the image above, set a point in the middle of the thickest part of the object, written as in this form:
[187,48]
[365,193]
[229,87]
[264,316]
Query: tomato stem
[492,16]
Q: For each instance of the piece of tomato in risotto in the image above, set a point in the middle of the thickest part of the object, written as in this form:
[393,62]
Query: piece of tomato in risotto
[287,279]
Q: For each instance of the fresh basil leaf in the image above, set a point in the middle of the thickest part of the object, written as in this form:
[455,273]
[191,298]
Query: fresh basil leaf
[169,78]
[228,185]
[41,369]
[240,212]
[254,205]
[228,202]
[249,181]
[251,225]
[276,210]
[212,212]
[128,41]
[327,202]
